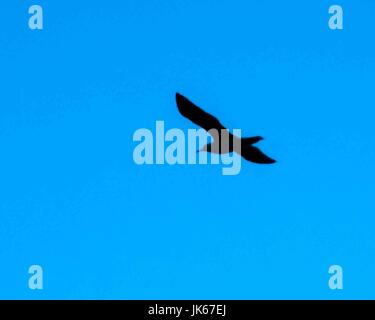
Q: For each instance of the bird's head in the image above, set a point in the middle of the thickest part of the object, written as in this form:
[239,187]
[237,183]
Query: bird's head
[258,138]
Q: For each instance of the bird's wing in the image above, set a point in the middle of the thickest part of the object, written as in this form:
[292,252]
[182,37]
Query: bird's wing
[253,154]
[197,115]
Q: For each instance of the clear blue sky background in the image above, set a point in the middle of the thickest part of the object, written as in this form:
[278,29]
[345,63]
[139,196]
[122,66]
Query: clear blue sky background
[73,201]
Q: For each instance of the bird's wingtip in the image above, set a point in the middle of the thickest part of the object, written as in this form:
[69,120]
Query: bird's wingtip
[178,97]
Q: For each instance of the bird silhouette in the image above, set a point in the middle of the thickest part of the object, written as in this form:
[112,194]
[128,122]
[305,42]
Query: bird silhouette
[224,142]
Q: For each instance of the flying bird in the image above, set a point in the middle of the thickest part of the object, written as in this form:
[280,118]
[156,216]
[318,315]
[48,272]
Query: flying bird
[224,141]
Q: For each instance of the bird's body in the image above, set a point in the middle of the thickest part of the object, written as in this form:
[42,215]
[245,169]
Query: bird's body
[224,141]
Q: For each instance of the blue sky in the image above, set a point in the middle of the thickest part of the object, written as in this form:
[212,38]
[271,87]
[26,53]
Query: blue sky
[73,201]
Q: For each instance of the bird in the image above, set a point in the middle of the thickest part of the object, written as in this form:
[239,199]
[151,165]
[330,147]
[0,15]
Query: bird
[211,124]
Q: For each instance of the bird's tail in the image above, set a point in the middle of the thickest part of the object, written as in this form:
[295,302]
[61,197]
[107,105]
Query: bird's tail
[251,140]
